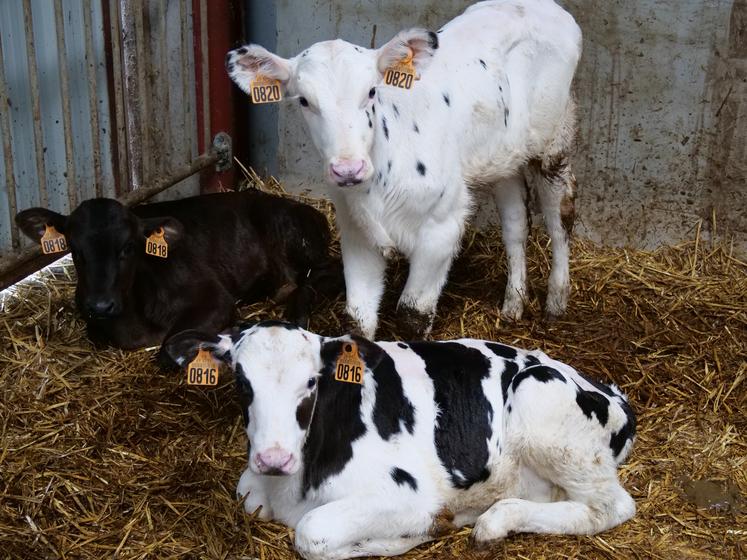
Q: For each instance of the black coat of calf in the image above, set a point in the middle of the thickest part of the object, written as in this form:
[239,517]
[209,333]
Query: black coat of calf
[221,248]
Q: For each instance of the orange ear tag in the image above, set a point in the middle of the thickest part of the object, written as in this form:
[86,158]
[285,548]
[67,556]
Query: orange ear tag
[53,241]
[156,245]
[203,370]
[402,74]
[350,367]
[265,90]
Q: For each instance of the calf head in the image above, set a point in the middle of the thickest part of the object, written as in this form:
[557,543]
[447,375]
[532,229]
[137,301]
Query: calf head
[335,83]
[280,372]
[106,240]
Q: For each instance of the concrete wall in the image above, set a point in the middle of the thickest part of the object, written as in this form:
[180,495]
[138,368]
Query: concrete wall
[662,92]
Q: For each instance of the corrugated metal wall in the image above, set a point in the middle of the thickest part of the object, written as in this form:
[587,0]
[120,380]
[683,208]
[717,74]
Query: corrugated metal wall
[131,94]
[30,186]
[662,91]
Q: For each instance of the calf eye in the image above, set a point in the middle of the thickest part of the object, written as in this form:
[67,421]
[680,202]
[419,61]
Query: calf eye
[303,101]
[371,93]
[312,383]
[127,250]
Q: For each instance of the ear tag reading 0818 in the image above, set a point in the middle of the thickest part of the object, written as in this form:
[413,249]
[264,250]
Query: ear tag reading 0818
[350,367]
[401,74]
[53,241]
[203,370]
[156,245]
[265,90]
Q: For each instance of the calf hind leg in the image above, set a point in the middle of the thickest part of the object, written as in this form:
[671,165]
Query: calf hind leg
[611,507]
[556,190]
[510,196]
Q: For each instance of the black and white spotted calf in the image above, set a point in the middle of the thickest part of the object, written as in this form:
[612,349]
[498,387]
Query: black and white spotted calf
[491,111]
[439,435]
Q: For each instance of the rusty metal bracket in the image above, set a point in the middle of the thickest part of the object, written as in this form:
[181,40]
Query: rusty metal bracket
[223,148]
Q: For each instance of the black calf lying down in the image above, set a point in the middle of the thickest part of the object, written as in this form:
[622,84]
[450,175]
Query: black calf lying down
[221,248]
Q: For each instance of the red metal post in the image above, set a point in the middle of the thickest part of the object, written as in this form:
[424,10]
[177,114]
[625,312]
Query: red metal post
[224,28]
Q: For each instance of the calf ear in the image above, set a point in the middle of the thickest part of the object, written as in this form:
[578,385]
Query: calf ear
[418,42]
[370,352]
[173,230]
[245,63]
[33,222]
[183,346]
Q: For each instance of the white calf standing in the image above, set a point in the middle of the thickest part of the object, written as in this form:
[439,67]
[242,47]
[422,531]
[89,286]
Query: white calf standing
[439,435]
[492,108]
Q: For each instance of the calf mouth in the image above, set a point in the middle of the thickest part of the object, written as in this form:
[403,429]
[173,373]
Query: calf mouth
[349,182]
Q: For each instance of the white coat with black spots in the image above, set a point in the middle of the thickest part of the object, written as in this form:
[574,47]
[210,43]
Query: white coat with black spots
[437,436]
[491,110]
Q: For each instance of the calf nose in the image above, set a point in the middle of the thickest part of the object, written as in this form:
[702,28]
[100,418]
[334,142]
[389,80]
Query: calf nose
[275,461]
[347,171]
[100,307]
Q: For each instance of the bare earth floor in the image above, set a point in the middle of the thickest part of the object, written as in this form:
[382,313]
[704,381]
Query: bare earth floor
[101,455]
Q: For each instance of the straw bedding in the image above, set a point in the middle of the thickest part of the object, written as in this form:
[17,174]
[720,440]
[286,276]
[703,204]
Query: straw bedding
[101,455]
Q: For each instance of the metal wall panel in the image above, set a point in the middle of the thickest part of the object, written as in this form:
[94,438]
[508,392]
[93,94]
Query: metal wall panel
[97,98]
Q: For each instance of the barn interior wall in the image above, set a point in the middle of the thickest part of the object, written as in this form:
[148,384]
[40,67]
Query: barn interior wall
[661,88]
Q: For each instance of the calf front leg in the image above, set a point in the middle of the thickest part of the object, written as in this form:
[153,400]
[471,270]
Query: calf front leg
[430,261]
[251,489]
[510,195]
[556,190]
[356,527]
[364,268]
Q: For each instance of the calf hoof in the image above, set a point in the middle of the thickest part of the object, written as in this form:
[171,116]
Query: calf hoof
[351,326]
[411,323]
[442,524]
[512,310]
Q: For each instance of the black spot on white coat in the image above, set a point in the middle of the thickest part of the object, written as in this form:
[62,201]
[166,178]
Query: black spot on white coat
[305,410]
[421,168]
[415,128]
[501,350]
[246,393]
[337,423]
[540,373]
[402,345]
[446,99]
[627,432]
[386,129]
[401,477]
[396,110]
[463,429]
[591,402]
[483,64]
[392,408]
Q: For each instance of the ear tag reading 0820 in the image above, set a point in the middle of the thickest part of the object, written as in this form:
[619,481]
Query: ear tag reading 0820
[53,241]
[350,367]
[265,90]
[401,74]
[156,245]
[203,370]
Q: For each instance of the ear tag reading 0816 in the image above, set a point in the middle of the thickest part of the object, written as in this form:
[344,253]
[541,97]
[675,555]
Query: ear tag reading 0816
[265,90]
[350,367]
[401,74]
[53,241]
[156,245]
[203,370]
